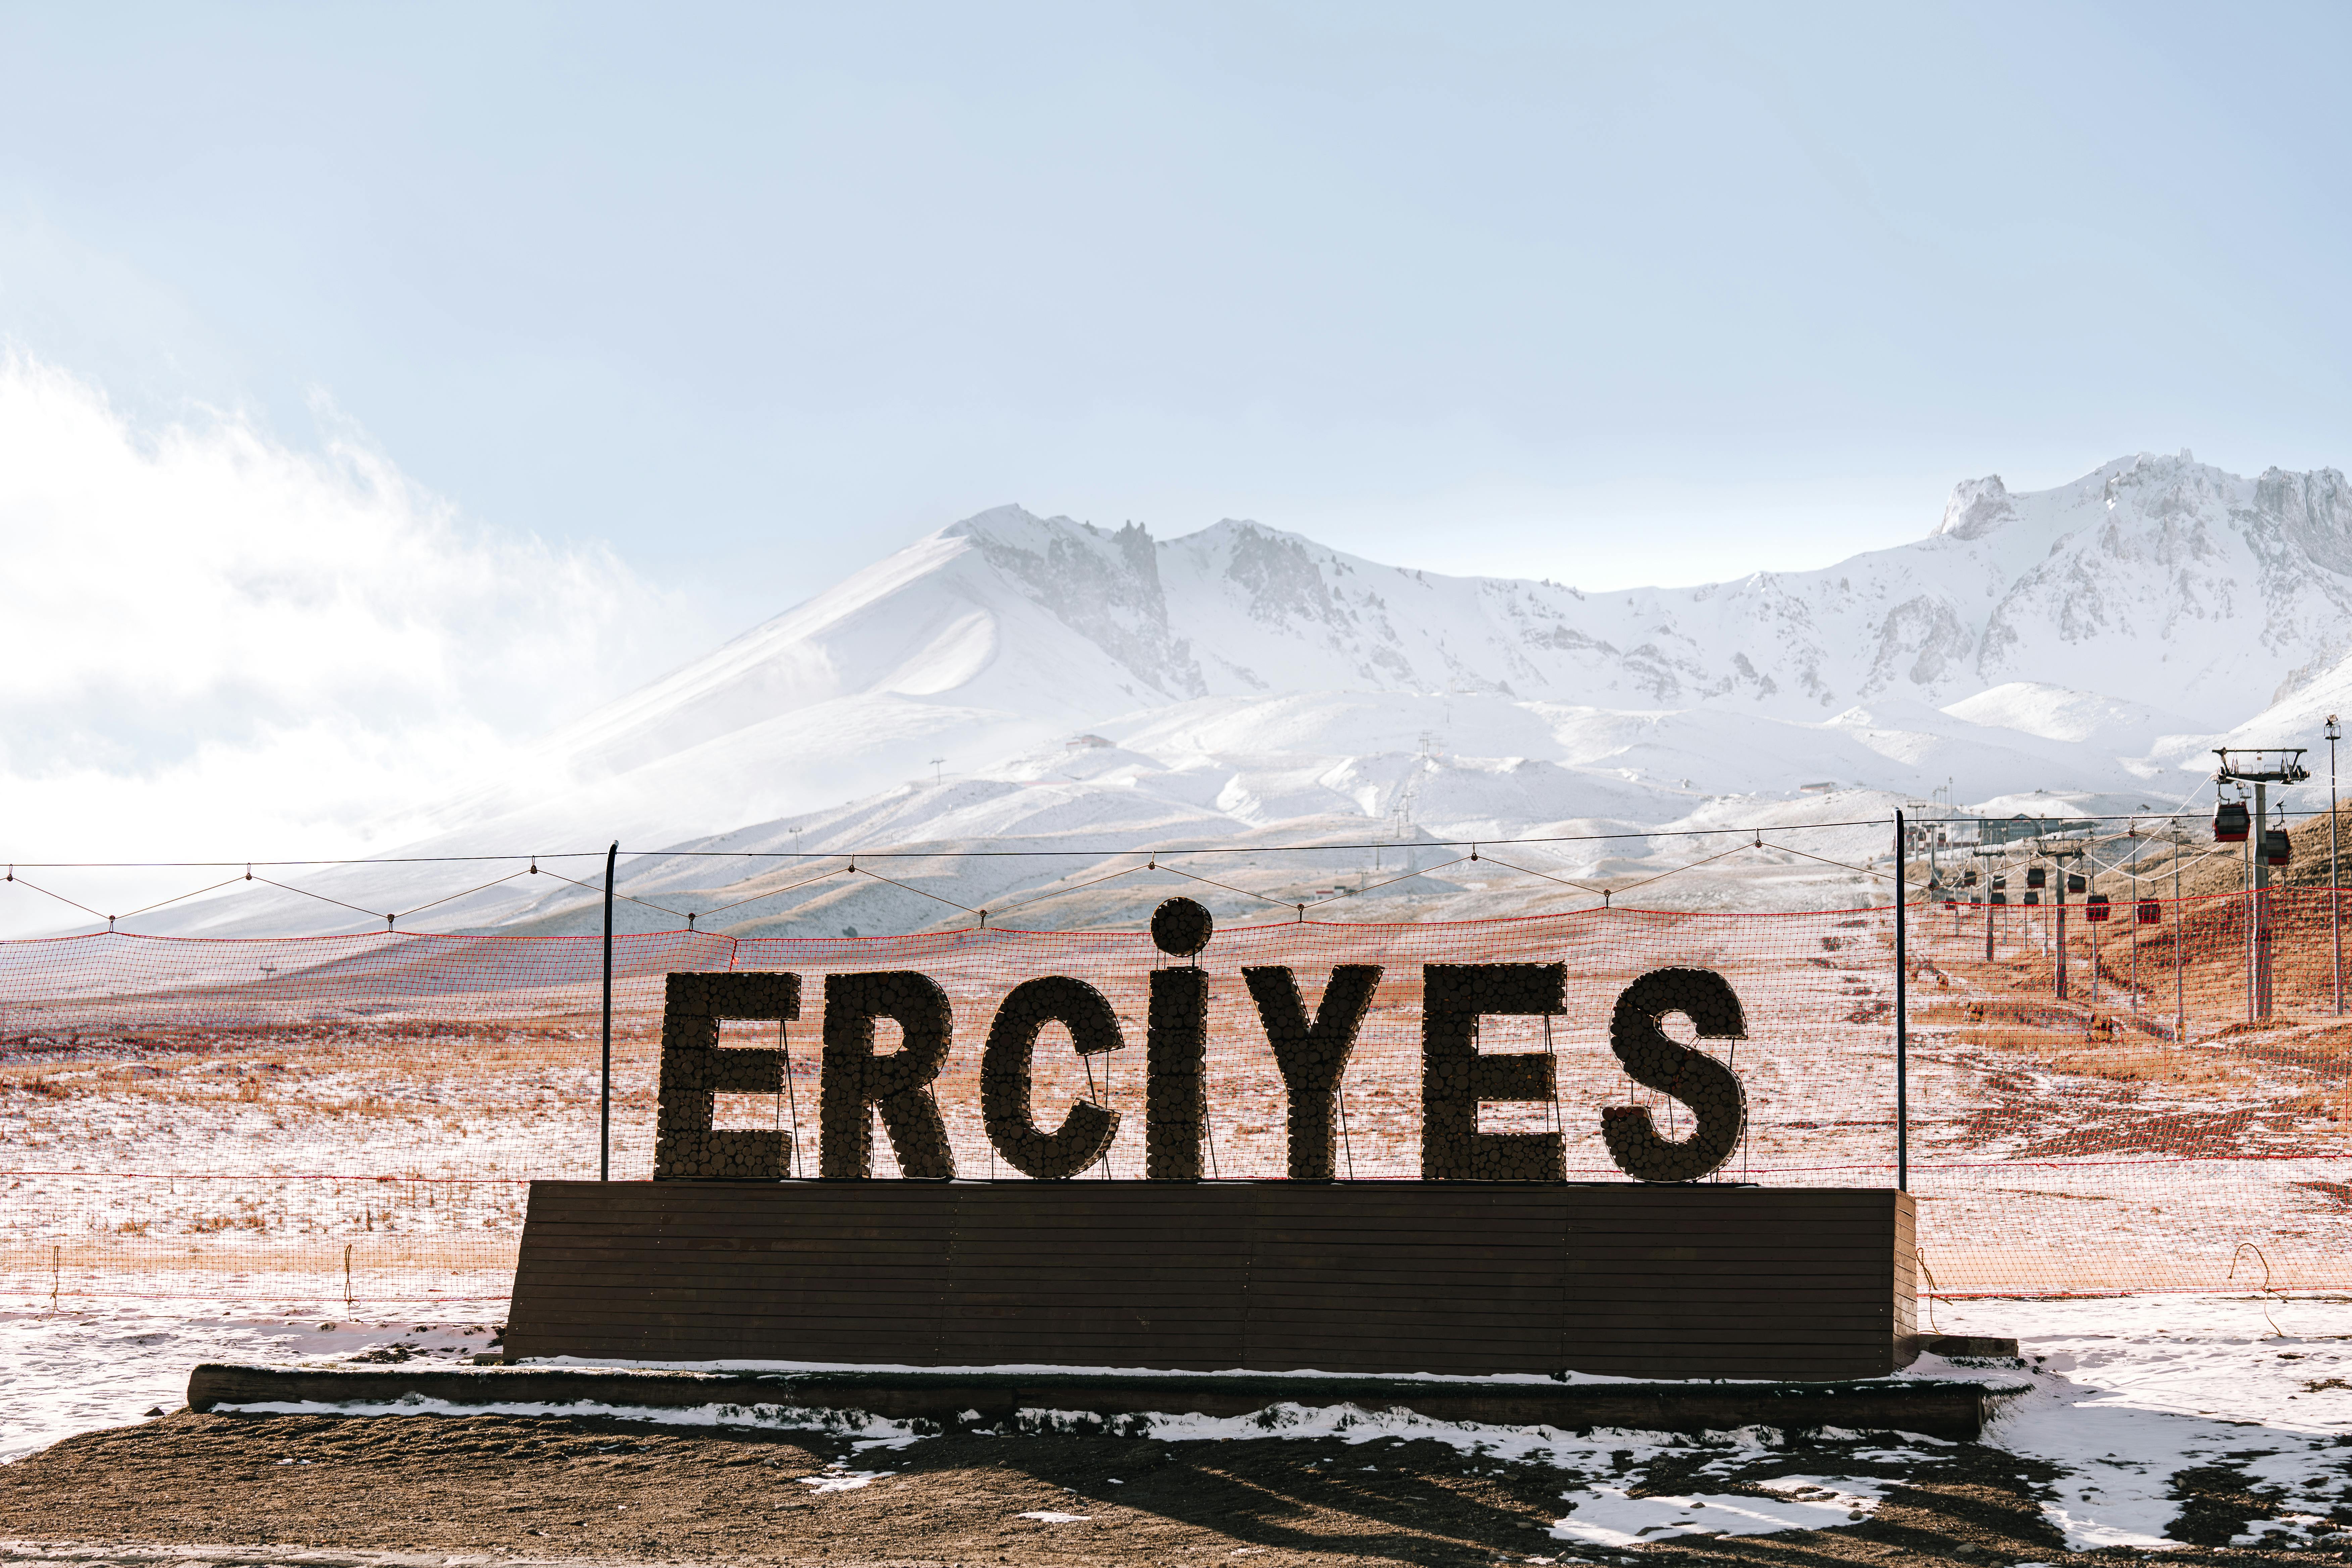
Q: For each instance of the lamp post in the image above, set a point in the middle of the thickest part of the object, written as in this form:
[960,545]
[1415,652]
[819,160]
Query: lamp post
[2334,926]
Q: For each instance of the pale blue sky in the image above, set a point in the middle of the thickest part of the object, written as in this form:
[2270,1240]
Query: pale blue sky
[1613,294]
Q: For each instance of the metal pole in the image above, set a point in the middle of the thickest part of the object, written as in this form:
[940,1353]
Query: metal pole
[2246,879]
[2262,919]
[2179,940]
[2060,867]
[2262,821]
[1989,906]
[1901,1024]
[604,1102]
[2334,883]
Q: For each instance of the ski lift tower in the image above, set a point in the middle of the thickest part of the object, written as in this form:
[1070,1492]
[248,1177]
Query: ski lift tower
[2261,766]
[2062,855]
[1993,888]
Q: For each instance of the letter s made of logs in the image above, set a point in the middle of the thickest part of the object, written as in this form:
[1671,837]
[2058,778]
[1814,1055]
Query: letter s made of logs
[694,1068]
[1711,1090]
[897,1085]
[1005,1078]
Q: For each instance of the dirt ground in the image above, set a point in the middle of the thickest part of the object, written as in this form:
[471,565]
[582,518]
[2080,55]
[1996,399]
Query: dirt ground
[551,1488]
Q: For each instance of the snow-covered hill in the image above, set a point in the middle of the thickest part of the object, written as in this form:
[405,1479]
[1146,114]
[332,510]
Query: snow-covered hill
[2086,640]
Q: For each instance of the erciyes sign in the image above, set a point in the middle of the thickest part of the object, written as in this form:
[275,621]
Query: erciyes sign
[855,1083]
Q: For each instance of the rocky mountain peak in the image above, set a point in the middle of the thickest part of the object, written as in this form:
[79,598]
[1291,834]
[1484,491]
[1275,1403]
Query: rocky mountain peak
[1976,509]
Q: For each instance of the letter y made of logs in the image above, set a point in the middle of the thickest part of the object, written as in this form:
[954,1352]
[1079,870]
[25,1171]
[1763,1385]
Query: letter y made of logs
[1312,1057]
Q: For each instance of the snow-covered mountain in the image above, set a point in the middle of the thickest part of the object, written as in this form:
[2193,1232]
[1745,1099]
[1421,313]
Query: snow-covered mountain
[2087,640]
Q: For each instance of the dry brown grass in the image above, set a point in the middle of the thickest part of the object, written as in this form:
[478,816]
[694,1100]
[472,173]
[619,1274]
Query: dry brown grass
[2119,1060]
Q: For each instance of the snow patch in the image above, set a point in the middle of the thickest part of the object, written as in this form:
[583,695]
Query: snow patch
[1612,1516]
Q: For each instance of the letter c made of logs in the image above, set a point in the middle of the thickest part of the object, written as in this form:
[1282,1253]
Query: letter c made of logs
[1711,1090]
[1005,1083]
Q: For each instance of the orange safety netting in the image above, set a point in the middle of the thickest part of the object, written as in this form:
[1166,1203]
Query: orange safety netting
[304,1118]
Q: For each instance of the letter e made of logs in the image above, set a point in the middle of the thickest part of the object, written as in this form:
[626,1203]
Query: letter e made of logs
[1455,1076]
[694,1068]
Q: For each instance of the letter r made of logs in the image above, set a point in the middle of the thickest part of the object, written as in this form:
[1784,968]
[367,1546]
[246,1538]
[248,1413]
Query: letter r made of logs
[857,1083]
[694,1068]
[1455,1076]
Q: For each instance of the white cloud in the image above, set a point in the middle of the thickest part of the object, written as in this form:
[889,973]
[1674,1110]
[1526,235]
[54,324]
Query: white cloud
[218,647]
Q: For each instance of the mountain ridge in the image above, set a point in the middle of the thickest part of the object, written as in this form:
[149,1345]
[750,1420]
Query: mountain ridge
[2090,638]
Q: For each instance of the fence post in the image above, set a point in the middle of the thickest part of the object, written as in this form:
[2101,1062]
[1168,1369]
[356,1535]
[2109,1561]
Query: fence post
[1902,1023]
[604,1098]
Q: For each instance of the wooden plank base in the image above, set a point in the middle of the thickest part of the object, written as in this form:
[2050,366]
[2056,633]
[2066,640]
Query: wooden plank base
[1456,1278]
[946,1402]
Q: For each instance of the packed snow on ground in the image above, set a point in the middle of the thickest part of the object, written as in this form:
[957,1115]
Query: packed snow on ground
[1609,1516]
[2122,1395]
[87,1367]
[2128,1392]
